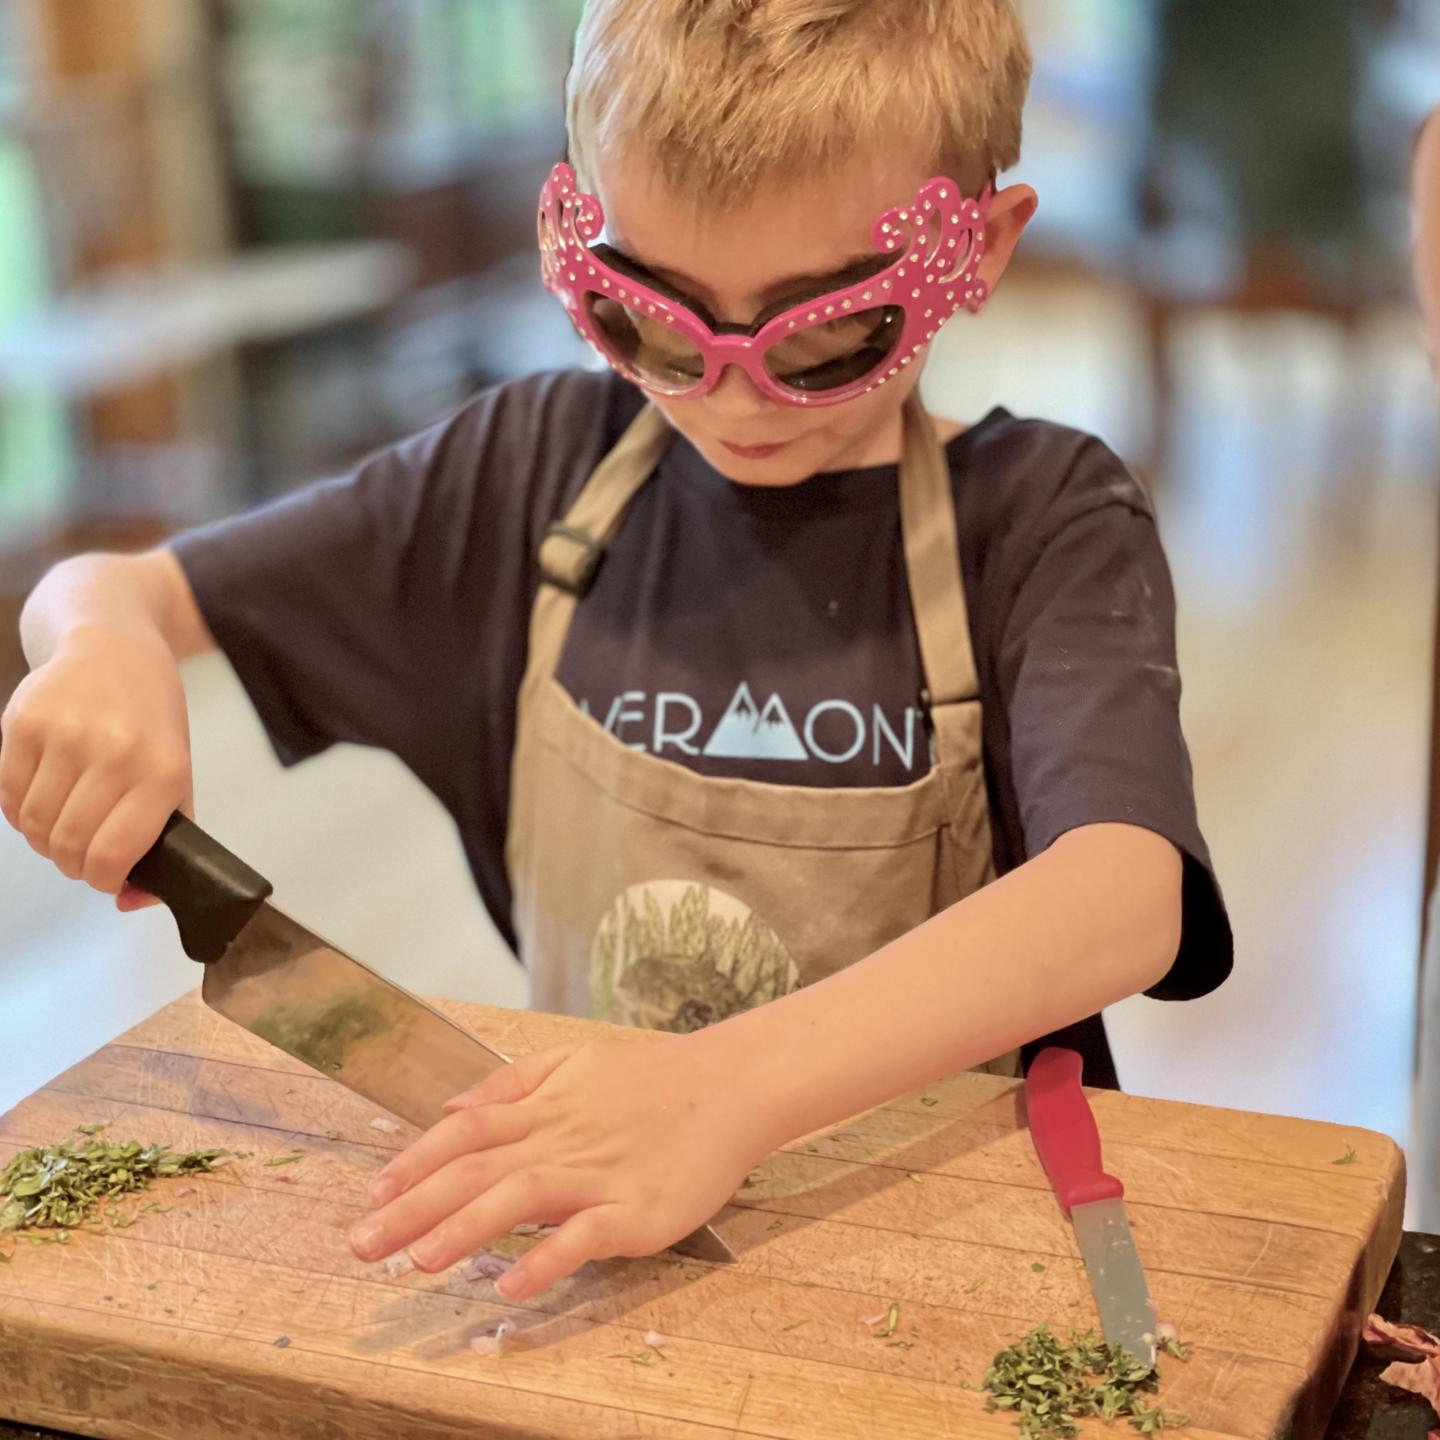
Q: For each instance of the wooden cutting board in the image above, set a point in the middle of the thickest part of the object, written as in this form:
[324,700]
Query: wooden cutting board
[239,1312]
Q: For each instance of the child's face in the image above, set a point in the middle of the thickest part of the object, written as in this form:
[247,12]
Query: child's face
[783,244]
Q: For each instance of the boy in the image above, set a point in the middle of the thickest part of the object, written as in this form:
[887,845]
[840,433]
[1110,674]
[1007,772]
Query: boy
[747,780]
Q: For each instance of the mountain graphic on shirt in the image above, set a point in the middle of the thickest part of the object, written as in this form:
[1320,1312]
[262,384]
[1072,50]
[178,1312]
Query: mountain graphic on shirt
[746,732]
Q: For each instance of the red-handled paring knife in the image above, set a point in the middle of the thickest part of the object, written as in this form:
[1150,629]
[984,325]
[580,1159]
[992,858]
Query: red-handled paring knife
[1068,1143]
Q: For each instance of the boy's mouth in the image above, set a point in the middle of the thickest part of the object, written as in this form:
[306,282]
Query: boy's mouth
[754,452]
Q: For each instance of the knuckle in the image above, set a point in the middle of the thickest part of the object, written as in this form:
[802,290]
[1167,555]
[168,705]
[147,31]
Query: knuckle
[68,733]
[529,1185]
[17,724]
[68,852]
[105,867]
[170,769]
[33,827]
[115,740]
[473,1171]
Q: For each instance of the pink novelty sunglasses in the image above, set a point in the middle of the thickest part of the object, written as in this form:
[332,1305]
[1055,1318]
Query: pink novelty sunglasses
[829,348]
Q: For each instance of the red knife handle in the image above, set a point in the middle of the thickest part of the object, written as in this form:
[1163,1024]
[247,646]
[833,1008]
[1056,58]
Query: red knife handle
[1062,1127]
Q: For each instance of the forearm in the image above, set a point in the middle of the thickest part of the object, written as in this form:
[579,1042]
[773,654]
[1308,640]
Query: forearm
[1426,202]
[1094,919]
[147,591]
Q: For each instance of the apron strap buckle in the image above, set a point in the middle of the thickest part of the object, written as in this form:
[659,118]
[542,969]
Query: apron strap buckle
[569,558]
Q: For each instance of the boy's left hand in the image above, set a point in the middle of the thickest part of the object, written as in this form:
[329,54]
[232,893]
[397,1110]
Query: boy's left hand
[628,1147]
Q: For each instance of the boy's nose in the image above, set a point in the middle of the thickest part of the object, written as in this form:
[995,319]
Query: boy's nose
[737,397]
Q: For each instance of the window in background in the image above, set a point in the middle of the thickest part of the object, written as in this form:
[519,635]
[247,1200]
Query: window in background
[34,450]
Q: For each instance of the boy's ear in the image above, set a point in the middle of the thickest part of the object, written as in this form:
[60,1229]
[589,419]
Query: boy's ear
[1010,212]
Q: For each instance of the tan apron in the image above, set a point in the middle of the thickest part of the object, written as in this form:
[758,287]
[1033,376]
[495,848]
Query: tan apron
[648,894]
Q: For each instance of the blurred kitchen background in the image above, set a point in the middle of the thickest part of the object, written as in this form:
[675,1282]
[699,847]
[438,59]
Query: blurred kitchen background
[242,242]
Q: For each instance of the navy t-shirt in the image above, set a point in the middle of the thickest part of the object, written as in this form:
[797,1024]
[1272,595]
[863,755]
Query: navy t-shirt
[759,633]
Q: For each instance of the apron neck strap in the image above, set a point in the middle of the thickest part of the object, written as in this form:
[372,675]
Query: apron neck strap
[572,549]
[932,561]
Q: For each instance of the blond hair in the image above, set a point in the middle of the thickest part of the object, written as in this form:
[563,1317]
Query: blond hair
[720,95]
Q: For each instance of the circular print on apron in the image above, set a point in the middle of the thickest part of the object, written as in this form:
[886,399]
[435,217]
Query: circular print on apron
[677,955]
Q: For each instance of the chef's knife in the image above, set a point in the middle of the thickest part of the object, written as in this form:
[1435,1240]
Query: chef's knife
[281,982]
[1062,1126]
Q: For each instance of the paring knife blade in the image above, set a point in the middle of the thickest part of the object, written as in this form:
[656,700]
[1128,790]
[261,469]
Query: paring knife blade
[285,984]
[1063,1129]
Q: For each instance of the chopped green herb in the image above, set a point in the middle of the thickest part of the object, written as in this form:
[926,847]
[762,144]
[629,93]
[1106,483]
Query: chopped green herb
[918,1179]
[806,1284]
[332,1134]
[974,1286]
[1051,1386]
[795,1326]
[635,1357]
[892,1321]
[1348,1158]
[776,1225]
[286,1159]
[929,1100]
[1038,1268]
[56,1187]
[290,1090]
[152,1284]
[1178,1348]
[91,1129]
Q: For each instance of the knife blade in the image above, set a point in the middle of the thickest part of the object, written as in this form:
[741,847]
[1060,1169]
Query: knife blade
[1063,1129]
[280,981]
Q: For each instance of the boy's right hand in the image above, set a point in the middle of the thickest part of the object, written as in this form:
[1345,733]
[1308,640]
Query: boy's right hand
[96,754]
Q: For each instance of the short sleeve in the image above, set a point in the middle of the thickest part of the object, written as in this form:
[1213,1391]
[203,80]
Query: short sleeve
[1092,693]
[390,607]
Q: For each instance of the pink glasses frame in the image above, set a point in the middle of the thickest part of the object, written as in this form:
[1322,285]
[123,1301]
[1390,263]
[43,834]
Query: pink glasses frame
[934,275]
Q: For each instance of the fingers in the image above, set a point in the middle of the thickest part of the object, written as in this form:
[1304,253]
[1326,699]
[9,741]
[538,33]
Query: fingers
[433,1201]
[121,837]
[531,1194]
[86,809]
[19,758]
[471,1130]
[590,1235]
[90,796]
[514,1081]
[55,777]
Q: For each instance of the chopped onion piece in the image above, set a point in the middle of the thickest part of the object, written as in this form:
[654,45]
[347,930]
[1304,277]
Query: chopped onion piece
[654,1340]
[388,1126]
[486,1266]
[398,1265]
[493,1344]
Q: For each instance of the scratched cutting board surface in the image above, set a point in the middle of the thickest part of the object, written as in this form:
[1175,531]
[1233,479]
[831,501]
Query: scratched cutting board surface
[1258,1246]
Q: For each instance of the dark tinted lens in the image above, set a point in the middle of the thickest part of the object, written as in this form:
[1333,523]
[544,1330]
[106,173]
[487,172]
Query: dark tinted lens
[837,352]
[650,346]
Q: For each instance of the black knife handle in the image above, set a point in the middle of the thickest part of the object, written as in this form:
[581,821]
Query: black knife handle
[211,893]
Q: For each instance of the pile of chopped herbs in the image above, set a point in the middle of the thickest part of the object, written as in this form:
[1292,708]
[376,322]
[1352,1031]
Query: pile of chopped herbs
[1051,1385]
[59,1186]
